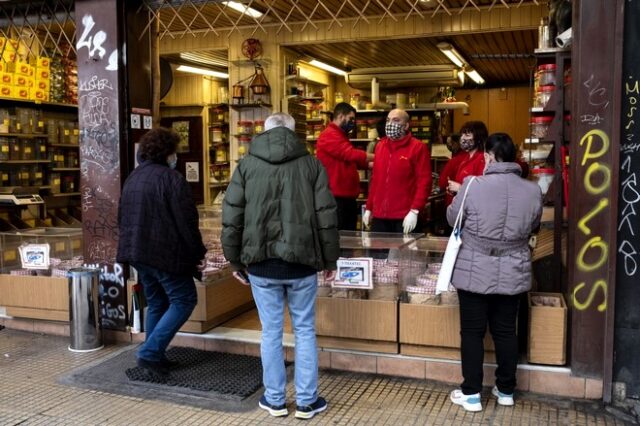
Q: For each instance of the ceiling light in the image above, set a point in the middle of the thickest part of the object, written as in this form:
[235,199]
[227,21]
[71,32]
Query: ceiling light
[204,59]
[327,67]
[243,9]
[451,53]
[195,70]
[473,75]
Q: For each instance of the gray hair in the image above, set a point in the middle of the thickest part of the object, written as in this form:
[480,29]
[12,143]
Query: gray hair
[280,119]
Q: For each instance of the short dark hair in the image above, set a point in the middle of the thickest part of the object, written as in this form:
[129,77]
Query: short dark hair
[157,144]
[455,137]
[502,147]
[381,124]
[478,130]
[343,108]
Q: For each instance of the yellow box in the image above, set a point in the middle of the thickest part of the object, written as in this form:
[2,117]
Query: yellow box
[21,68]
[21,92]
[10,45]
[7,91]
[9,57]
[31,83]
[43,85]
[42,74]
[38,95]
[3,67]
[42,62]
[20,80]
[6,79]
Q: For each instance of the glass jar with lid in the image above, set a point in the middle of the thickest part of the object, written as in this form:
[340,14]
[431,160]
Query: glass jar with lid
[36,176]
[258,126]
[221,154]
[216,134]
[4,148]
[338,97]
[540,126]
[361,129]
[245,127]
[547,74]
[355,100]
[28,149]
[372,130]
[544,94]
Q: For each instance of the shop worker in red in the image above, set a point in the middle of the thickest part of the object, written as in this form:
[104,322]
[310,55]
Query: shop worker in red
[401,181]
[342,161]
[450,169]
[473,135]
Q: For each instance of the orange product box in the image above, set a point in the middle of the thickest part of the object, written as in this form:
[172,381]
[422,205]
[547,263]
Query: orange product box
[22,92]
[31,82]
[42,73]
[41,62]
[43,84]
[6,91]
[21,68]
[3,67]
[8,56]
[38,95]
[10,44]
[6,78]
[20,80]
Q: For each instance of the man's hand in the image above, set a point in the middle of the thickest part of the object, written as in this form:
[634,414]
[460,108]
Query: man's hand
[366,218]
[329,275]
[410,221]
[242,277]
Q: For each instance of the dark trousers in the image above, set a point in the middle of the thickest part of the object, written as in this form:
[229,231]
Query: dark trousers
[500,312]
[387,225]
[347,213]
[170,300]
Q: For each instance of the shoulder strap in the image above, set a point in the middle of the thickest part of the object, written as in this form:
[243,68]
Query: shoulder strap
[458,222]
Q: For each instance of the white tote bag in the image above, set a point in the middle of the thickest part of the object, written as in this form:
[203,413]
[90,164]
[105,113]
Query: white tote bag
[453,247]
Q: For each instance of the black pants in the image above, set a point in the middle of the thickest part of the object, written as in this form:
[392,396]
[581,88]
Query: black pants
[500,311]
[347,213]
[387,225]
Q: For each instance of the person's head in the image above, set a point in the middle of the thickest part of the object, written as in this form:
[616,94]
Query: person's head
[397,124]
[280,119]
[160,145]
[473,135]
[453,142]
[344,116]
[380,125]
[499,148]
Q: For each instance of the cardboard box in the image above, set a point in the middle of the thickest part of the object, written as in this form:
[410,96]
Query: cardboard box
[6,91]
[6,78]
[37,297]
[41,62]
[8,56]
[433,325]
[20,68]
[21,92]
[43,85]
[42,74]
[20,80]
[38,95]
[547,330]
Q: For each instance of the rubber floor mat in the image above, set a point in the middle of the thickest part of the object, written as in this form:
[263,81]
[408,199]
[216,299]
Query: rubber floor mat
[223,373]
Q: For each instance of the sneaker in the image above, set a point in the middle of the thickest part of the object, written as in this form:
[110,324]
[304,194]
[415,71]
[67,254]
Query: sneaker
[169,364]
[468,402]
[503,398]
[308,411]
[274,410]
[153,367]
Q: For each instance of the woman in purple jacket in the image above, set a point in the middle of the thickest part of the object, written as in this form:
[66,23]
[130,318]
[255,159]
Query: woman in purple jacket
[493,267]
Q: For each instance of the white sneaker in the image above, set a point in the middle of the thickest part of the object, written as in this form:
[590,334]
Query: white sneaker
[468,402]
[503,398]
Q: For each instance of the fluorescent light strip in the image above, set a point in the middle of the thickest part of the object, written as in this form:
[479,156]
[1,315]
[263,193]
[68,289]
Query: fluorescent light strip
[327,67]
[453,57]
[243,9]
[202,71]
[473,75]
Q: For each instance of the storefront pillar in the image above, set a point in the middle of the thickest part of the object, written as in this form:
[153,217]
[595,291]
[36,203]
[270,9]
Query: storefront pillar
[595,144]
[106,150]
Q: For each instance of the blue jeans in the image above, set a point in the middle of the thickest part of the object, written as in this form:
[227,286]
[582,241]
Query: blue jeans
[300,294]
[170,300]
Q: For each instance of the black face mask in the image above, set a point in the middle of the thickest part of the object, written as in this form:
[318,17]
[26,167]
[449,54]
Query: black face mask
[348,126]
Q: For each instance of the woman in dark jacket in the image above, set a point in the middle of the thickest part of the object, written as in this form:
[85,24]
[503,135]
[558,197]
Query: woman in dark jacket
[493,267]
[159,236]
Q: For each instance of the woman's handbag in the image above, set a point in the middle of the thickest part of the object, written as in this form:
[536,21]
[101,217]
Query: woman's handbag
[453,247]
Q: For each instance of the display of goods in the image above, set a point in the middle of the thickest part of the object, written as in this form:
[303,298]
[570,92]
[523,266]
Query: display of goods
[343,293]
[384,292]
[57,89]
[422,296]
[70,81]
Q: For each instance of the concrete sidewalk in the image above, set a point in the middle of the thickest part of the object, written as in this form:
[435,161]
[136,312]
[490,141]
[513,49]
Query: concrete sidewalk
[29,395]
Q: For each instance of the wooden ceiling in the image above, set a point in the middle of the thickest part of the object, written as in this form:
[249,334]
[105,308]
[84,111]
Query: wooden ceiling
[500,58]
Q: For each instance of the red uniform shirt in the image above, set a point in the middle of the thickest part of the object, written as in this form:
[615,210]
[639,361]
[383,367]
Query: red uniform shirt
[470,166]
[401,178]
[341,160]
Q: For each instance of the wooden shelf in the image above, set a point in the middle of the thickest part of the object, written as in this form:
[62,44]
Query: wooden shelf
[65,194]
[38,103]
[298,79]
[315,120]
[65,169]
[248,106]
[25,135]
[220,164]
[218,124]
[361,140]
[64,145]
[219,184]
[240,135]
[25,161]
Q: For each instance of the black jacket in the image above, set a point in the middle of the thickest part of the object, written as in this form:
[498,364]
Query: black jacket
[279,206]
[158,221]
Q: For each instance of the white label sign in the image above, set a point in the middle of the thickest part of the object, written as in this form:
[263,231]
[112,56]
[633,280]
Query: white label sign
[147,122]
[135,121]
[354,273]
[192,172]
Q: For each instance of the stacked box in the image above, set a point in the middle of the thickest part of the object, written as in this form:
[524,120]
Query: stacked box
[8,47]
[42,79]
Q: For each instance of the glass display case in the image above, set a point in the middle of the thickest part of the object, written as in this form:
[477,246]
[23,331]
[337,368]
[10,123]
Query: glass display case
[65,249]
[210,224]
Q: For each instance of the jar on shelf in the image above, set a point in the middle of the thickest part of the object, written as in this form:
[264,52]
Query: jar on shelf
[68,184]
[544,94]
[54,182]
[37,177]
[28,149]
[245,127]
[15,150]
[540,126]
[317,130]
[310,131]
[5,178]
[338,97]
[52,131]
[361,129]
[4,149]
[216,134]
[219,115]
[24,176]
[72,160]
[244,143]
[38,122]
[258,126]
[372,130]
[354,100]
[221,154]
[75,133]
[64,132]
[547,74]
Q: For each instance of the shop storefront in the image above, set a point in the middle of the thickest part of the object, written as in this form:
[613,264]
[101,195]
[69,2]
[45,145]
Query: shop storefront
[214,73]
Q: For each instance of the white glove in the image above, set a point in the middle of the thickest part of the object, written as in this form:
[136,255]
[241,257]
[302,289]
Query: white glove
[410,221]
[366,218]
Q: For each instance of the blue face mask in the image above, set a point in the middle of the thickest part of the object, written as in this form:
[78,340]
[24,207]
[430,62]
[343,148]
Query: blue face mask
[173,162]
[348,126]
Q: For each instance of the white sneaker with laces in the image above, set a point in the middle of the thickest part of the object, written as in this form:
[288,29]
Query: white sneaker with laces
[468,402]
[503,398]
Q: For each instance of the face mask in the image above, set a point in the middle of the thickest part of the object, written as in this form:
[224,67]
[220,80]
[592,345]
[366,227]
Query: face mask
[394,130]
[467,144]
[172,161]
[348,126]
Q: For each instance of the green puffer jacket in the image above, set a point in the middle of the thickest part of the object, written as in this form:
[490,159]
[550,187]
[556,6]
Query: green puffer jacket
[278,206]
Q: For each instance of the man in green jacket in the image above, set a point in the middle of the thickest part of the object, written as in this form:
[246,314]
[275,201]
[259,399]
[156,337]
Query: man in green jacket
[279,222]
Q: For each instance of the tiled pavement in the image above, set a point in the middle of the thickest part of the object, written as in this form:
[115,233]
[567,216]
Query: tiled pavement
[29,395]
